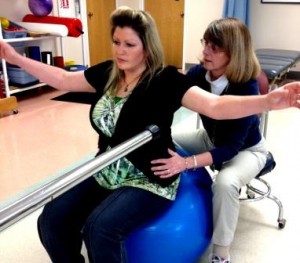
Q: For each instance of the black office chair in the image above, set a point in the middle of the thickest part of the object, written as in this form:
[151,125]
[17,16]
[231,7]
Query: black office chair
[253,193]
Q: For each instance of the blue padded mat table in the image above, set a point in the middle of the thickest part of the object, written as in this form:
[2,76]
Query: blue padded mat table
[277,62]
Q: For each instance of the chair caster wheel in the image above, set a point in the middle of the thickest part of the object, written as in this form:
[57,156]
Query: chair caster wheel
[250,195]
[281,223]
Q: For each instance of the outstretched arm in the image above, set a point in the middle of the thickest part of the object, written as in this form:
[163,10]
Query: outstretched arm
[53,76]
[232,107]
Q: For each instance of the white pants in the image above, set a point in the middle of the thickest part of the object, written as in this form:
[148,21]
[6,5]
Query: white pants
[234,174]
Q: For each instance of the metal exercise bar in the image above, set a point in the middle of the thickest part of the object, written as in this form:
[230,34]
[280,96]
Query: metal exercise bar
[24,206]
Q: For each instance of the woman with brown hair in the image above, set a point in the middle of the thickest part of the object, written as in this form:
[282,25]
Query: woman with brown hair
[235,148]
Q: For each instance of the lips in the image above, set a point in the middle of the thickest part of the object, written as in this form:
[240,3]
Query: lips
[207,60]
[120,60]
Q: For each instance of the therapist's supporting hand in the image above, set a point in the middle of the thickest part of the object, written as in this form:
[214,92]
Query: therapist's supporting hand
[168,167]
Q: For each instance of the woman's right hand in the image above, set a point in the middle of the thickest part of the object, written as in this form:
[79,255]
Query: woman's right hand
[168,167]
[285,96]
[7,52]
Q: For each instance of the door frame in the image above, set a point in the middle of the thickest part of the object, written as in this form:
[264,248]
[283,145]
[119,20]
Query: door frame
[85,36]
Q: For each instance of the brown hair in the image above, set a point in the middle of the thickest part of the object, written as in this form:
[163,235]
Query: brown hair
[233,37]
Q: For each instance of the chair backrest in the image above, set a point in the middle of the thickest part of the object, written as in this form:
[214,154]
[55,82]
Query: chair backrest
[263,83]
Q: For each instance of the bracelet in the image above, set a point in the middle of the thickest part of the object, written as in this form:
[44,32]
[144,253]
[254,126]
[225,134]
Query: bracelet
[195,162]
[186,164]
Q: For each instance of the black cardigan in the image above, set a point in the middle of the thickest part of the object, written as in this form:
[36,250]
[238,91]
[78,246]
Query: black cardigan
[229,136]
[153,102]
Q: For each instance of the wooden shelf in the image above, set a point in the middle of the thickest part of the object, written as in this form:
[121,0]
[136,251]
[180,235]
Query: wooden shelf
[14,90]
[25,39]
[8,104]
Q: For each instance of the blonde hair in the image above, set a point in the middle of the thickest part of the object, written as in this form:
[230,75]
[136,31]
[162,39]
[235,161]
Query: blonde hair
[233,37]
[144,25]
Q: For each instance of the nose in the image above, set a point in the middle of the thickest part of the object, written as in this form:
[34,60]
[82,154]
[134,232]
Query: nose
[206,50]
[120,49]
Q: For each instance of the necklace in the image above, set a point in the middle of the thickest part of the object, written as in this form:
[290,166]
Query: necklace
[130,82]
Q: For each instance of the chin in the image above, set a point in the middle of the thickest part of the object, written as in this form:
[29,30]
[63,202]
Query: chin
[121,66]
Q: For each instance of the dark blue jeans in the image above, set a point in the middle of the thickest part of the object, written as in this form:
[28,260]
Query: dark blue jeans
[101,217]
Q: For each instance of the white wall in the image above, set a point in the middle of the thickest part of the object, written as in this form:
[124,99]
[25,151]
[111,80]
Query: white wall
[198,14]
[275,25]
[14,9]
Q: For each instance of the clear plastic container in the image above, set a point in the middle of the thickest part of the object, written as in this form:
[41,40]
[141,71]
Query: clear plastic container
[19,77]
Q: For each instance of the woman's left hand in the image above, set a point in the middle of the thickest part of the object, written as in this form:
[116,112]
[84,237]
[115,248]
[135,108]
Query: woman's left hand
[168,167]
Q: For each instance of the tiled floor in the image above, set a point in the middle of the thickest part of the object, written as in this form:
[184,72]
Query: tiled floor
[47,136]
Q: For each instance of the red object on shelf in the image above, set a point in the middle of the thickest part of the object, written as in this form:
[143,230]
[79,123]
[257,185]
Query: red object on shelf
[1,92]
[74,25]
[1,86]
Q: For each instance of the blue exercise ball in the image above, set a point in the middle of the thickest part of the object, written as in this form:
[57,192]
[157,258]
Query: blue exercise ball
[40,7]
[183,232]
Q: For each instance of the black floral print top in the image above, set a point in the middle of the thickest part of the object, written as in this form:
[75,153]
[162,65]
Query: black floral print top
[151,102]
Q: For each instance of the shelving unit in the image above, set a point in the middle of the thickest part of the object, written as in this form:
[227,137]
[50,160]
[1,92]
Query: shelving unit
[75,9]
[9,90]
